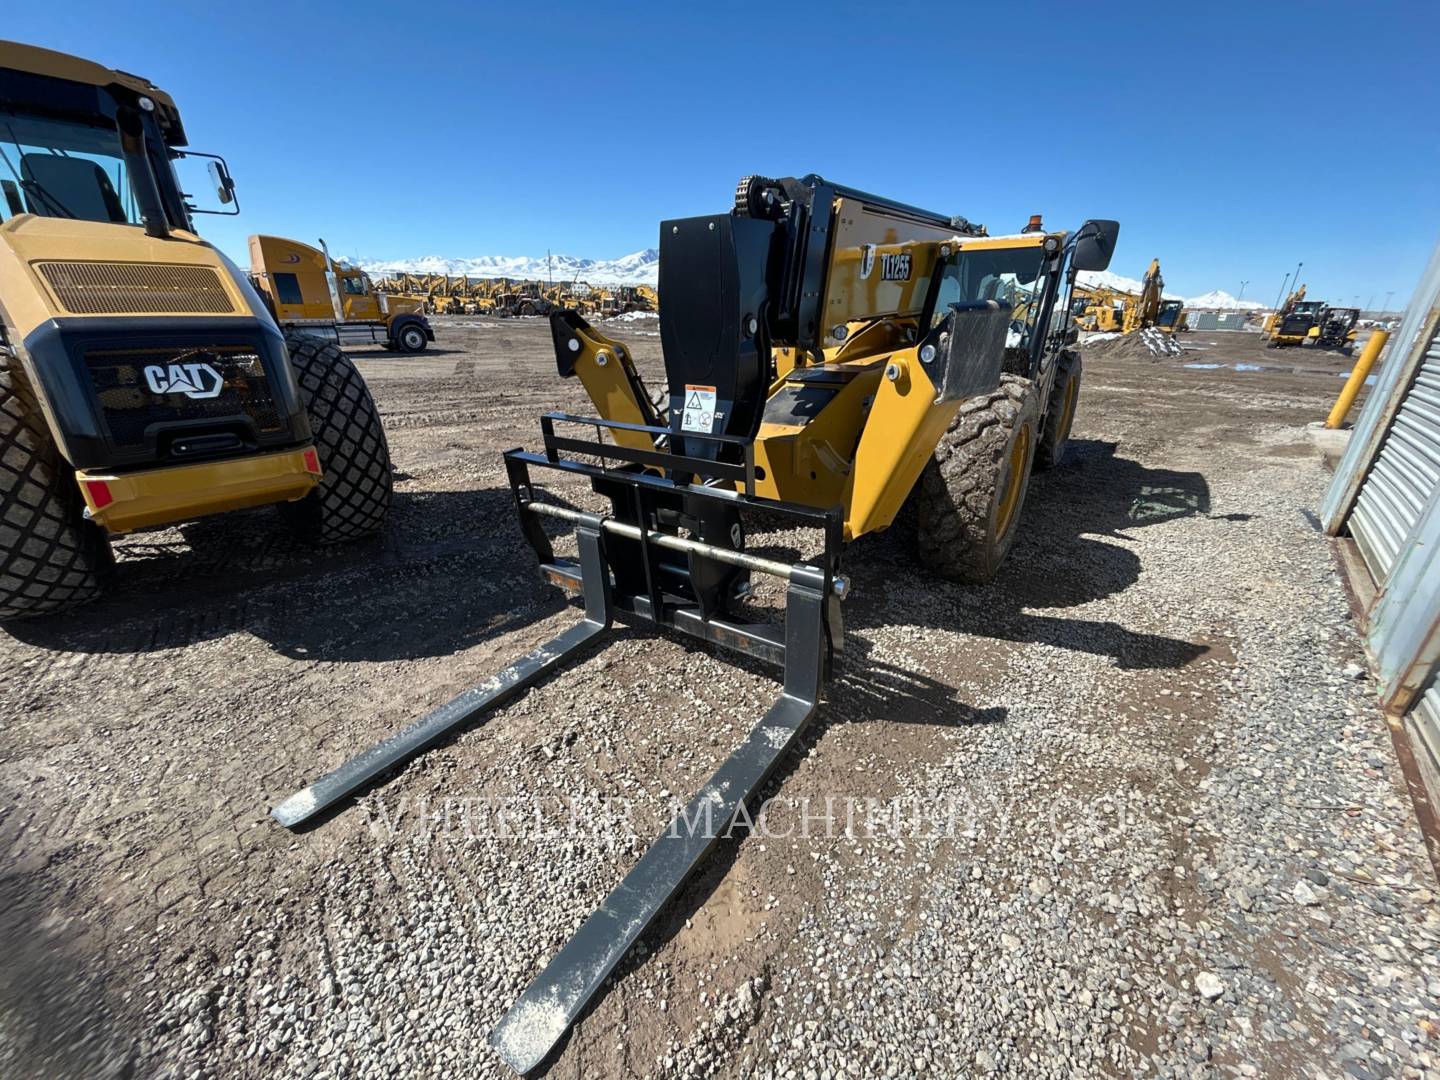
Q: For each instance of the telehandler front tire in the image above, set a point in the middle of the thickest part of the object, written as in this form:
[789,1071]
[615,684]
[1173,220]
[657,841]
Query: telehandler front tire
[352,499]
[1060,413]
[51,558]
[969,497]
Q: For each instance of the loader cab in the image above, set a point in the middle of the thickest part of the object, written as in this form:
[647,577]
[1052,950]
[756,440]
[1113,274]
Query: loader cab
[101,146]
[65,155]
[1301,318]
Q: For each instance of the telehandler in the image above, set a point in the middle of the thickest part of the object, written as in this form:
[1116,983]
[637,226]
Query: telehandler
[830,356]
[142,380]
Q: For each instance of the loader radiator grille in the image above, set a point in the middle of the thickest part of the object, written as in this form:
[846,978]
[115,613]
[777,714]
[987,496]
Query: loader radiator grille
[143,392]
[108,288]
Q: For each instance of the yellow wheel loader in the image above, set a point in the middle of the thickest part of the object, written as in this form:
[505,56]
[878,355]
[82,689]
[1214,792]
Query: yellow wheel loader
[1297,323]
[142,381]
[830,356]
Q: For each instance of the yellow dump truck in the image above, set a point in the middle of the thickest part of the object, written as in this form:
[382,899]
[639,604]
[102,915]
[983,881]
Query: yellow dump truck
[310,293]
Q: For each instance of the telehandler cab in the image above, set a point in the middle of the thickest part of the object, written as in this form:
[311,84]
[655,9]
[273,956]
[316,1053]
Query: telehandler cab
[830,356]
[142,381]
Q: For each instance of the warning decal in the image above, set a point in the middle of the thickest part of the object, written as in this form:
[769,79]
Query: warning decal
[699,409]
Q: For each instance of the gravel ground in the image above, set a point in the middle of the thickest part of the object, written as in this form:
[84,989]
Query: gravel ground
[1152,823]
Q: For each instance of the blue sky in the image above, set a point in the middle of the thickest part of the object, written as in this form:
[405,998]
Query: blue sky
[1230,140]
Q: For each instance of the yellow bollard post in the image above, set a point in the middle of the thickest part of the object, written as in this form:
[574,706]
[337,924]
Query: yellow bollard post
[1357,378]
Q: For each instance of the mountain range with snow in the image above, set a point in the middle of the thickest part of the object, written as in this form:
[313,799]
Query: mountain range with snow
[643,268]
[1105,279]
[637,268]
[1219,298]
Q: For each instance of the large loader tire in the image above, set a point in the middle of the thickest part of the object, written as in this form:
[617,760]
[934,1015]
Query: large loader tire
[969,497]
[353,497]
[51,558]
[1060,413]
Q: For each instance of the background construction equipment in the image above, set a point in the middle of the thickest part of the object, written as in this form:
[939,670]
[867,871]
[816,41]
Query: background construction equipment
[309,292]
[1107,309]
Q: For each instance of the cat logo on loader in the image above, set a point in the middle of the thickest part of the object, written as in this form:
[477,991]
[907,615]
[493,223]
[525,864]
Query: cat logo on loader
[196,381]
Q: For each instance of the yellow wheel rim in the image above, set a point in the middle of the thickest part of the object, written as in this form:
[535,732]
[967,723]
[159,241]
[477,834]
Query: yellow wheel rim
[1067,415]
[1014,481]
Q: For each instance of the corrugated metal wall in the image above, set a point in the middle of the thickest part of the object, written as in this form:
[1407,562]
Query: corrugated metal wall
[1386,492]
[1396,372]
[1425,723]
[1216,320]
[1405,474]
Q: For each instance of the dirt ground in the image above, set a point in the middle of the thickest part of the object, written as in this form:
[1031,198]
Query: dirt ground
[155,921]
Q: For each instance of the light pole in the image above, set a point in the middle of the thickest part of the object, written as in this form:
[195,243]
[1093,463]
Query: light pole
[1387,299]
[1370,304]
[1242,292]
[1282,290]
[1296,282]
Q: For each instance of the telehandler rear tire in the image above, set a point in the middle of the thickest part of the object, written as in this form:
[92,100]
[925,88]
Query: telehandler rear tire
[51,558]
[969,497]
[353,497]
[1060,413]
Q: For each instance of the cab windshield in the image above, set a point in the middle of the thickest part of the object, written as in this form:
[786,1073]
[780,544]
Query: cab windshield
[58,168]
[1012,275]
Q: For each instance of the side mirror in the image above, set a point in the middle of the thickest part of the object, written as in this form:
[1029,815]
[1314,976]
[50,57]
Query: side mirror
[1095,244]
[224,185]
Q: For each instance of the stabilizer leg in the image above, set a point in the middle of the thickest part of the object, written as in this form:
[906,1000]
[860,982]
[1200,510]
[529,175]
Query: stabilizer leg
[461,710]
[531,1029]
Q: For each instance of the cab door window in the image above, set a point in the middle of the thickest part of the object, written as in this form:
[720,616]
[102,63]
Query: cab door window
[357,297]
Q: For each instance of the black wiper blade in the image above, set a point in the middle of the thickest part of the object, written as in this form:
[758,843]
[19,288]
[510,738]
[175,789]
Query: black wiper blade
[32,187]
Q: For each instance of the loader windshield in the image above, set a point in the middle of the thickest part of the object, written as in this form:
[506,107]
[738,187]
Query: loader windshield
[58,168]
[1012,275]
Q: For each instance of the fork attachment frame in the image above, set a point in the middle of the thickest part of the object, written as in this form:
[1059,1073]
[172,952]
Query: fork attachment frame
[637,564]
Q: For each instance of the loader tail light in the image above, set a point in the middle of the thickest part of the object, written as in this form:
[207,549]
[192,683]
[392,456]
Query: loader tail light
[100,494]
[312,462]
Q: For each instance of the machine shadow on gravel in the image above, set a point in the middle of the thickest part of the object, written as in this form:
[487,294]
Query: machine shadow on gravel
[451,570]
[51,989]
[1059,561]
